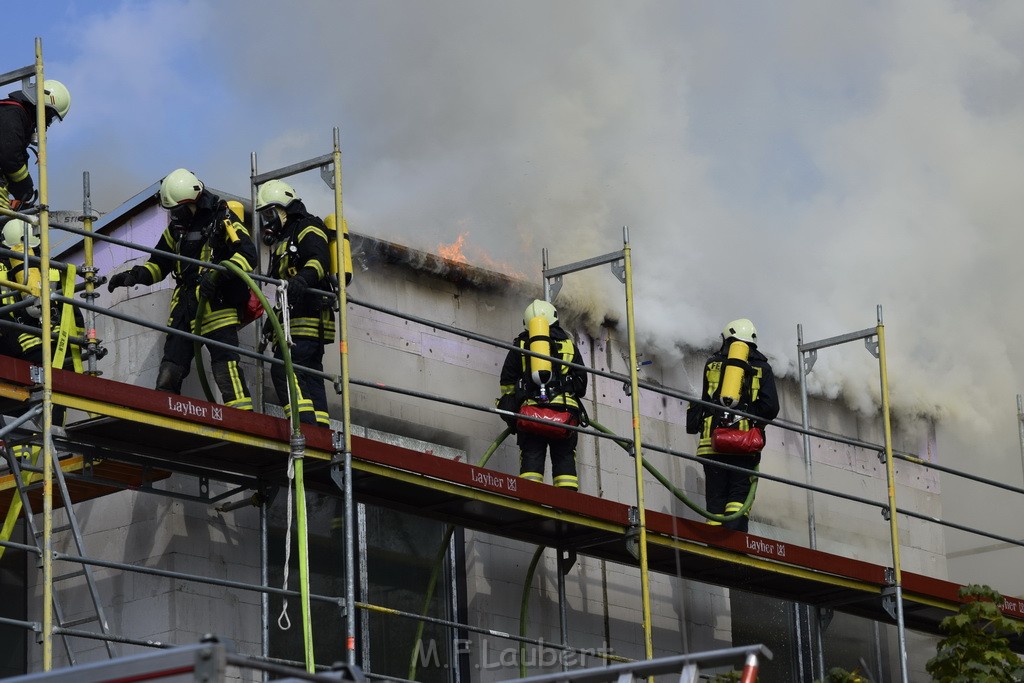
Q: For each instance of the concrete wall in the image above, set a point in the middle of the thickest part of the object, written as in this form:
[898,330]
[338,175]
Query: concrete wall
[603,608]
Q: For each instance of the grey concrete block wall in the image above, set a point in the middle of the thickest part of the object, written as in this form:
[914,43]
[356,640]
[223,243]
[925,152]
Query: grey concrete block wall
[163,533]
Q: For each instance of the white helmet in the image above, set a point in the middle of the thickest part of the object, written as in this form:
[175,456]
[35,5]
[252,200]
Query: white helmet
[540,307]
[14,234]
[179,187]
[275,193]
[741,329]
[56,97]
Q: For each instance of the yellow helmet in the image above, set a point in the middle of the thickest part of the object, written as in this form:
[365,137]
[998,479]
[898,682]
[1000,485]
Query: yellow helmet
[14,234]
[741,329]
[540,307]
[275,193]
[179,187]
[56,97]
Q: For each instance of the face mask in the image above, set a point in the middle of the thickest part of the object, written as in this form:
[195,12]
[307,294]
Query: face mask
[272,227]
[181,214]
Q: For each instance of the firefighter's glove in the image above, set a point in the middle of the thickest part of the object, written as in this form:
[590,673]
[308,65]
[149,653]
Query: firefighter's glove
[125,278]
[297,289]
[208,285]
[24,192]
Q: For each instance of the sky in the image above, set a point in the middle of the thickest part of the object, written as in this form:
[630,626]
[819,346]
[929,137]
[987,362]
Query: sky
[794,162]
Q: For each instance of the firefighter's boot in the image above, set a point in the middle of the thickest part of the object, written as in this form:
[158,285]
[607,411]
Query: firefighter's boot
[170,377]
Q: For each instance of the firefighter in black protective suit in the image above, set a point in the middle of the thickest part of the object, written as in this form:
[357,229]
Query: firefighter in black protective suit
[562,393]
[301,255]
[201,227]
[17,133]
[18,236]
[726,490]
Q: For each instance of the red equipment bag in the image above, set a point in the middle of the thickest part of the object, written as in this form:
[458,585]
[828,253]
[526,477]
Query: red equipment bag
[735,441]
[250,310]
[552,427]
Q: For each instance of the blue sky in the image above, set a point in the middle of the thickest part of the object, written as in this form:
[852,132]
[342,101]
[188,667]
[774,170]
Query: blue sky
[791,162]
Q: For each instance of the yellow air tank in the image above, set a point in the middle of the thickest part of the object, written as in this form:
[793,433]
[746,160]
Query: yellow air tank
[732,377]
[19,268]
[539,342]
[332,236]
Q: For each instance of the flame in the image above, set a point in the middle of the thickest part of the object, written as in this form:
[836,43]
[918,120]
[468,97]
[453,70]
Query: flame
[453,252]
[456,253]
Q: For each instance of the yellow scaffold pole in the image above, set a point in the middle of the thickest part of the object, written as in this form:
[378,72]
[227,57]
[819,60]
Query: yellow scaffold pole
[346,411]
[634,396]
[890,477]
[44,302]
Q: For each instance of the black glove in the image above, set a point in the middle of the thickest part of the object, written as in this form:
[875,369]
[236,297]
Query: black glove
[125,278]
[208,285]
[297,288]
[24,191]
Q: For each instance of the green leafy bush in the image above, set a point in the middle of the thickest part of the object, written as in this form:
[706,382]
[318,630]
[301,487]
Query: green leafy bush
[976,648]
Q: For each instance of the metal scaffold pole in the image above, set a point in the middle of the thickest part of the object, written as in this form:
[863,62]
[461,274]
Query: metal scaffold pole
[634,395]
[346,411]
[1020,428]
[329,166]
[622,268]
[89,273]
[47,357]
[890,476]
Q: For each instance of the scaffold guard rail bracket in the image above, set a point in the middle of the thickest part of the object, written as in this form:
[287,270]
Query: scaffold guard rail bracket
[889,602]
[810,358]
[825,616]
[327,175]
[871,344]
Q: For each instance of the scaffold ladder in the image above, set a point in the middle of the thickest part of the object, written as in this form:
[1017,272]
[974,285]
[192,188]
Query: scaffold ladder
[27,477]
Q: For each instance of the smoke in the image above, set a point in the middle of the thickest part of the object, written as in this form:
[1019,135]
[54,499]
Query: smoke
[794,163]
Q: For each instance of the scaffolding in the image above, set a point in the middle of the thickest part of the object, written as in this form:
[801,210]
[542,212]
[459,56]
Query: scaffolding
[256,452]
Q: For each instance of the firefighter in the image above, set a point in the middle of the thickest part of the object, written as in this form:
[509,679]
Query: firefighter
[18,133]
[19,236]
[18,342]
[202,227]
[555,395]
[726,490]
[301,256]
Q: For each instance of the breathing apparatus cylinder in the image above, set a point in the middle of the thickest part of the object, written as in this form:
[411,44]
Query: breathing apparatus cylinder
[540,342]
[237,212]
[20,269]
[236,208]
[735,368]
[332,238]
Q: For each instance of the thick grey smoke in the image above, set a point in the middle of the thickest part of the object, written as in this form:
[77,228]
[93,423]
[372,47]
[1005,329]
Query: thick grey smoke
[790,162]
